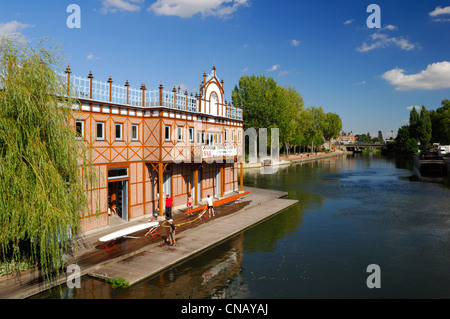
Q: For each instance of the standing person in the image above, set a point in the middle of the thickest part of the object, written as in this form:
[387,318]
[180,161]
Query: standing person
[169,201]
[189,202]
[210,206]
[172,238]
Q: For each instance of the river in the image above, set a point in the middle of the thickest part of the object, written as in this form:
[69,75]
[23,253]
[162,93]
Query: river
[353,211]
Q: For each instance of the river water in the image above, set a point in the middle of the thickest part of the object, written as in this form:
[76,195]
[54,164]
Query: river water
[353,211]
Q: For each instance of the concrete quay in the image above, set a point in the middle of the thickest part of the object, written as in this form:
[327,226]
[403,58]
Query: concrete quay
[139,257]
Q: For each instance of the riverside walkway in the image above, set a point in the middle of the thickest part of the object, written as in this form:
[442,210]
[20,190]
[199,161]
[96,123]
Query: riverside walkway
[141,257]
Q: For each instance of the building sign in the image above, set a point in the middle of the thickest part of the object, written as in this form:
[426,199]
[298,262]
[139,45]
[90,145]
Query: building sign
[218,151]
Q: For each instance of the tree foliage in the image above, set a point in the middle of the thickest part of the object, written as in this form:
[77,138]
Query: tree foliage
[440,123]
[265,104]
[42,189]
[425,127]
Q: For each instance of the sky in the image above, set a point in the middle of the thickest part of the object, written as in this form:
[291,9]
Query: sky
[370,65]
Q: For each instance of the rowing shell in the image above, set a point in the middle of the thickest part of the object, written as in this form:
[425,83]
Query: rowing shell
[216,203]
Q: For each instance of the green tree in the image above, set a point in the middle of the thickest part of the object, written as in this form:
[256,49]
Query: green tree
[440,124]
[256,95]
[290,104]
[424,127]
[414,124]
[305,129]
[267,105]
[42,191]
[332,126]
[380,136]
[318,124]
[404,142]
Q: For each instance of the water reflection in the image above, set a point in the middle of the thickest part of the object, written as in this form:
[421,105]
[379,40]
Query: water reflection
[353,211]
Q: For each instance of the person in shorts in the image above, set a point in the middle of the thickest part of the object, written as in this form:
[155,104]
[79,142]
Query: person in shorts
[172,239]
[189,202]
[210,206]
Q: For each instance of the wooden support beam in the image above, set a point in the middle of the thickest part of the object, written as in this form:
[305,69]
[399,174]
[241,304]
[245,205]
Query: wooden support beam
[196,185]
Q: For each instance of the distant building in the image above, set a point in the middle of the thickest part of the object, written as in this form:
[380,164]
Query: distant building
[345,138]
[149,142]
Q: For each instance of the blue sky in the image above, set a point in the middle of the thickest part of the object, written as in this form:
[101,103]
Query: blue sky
[323,48]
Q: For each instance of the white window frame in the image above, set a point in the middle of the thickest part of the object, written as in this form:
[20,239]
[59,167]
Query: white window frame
[81,135]
[167,133]
[135,127]
[102,124]
[118,138]
[191,134]
[180,134]
[210,139]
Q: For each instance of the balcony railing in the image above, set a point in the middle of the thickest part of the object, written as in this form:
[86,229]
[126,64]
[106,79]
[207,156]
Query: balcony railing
[107,92]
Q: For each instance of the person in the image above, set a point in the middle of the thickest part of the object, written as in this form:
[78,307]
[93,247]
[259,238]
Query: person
[210,206]
[169,201]
[189,202]
[172,239]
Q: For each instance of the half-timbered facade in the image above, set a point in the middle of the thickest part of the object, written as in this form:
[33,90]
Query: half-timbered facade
[148,142]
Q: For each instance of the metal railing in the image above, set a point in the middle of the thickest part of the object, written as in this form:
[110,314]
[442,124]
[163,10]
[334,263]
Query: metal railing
[80,88]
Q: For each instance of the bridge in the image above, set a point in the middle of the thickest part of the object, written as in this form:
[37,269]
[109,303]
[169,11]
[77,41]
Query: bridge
[360,146]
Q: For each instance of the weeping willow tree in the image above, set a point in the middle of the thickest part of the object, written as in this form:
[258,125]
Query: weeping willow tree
[44,170]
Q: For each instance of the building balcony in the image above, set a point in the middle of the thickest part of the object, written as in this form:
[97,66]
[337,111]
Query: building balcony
[106,92]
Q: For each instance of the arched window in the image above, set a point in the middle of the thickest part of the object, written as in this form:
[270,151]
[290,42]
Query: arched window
[213,104]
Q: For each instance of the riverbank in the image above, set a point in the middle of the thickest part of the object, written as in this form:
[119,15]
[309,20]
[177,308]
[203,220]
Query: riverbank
[150,255]
[299,158]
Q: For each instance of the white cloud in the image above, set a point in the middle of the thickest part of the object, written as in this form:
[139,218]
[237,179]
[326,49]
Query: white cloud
[91,56]
[13,27]
[349,21]
[273,68]
[360,83]
[439,11]
[417,107]
[188,8]
[435,76]
[390,27]
[283,73]
[295,43]
[244,70]
[120,5]
[381,40]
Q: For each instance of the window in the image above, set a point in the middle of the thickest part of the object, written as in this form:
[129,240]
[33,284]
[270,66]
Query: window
[134,132]
[100,131]
[226,136]
[167,132]
[191,134]
[210,139]
[118,131]
[232,136]
[203,138]
[199,138]
[79,129]
[116,173]
[180,134]
[239,136]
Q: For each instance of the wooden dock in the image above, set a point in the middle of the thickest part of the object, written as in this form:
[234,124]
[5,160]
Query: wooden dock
[156,258]
[146,256]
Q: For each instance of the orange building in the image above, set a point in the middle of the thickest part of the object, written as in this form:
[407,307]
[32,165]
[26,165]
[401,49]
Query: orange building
[150,143]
